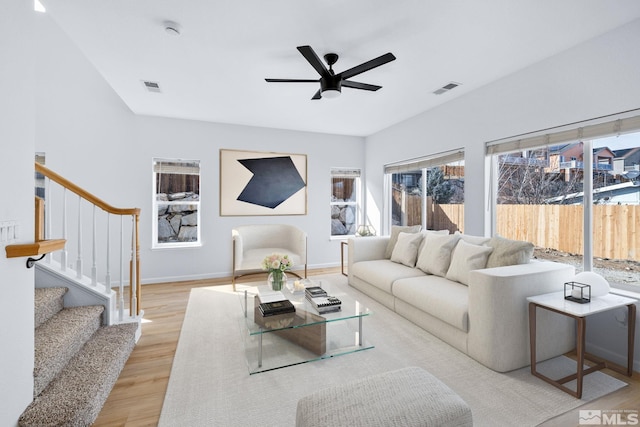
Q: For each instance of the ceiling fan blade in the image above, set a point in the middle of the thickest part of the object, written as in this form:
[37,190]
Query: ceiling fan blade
[318,95]
[358,85]
[313,59]
[291,81]
[366,66]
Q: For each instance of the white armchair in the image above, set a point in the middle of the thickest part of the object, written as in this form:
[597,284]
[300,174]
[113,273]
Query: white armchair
[252,243]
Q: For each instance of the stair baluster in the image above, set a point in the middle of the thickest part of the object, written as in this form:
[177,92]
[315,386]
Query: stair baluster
[64,253]
[134,268]
[94,266]
[121,292]
[79,260]
[107,278]
[47,216]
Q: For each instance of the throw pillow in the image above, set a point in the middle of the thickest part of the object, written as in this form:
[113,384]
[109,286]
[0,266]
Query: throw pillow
[393,238]
[509,252]
[474,240]
[467,257]
[406,249]
[435,256]
[424,236]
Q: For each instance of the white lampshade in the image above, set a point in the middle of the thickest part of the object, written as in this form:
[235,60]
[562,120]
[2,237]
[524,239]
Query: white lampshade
[330,93]
[599,285]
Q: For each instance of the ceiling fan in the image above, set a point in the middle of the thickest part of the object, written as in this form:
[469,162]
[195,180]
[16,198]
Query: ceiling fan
[331,83]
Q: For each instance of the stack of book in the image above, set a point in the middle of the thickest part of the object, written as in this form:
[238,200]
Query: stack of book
[322,302]
[276,307]
[273,302]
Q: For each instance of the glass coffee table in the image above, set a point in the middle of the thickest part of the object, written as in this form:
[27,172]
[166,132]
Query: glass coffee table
[282,340]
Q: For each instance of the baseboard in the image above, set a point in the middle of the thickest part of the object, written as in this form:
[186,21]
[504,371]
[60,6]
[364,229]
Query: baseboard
[607,354]
[206,276]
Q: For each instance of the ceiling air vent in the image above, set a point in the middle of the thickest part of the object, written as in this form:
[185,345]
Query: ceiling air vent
[151,86]
[446,88]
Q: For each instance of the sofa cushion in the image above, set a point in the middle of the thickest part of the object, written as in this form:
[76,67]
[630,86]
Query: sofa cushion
[440,297]
[393,237]
[509,252]
[406,249]
[435,256]
[381,273]
[467,257]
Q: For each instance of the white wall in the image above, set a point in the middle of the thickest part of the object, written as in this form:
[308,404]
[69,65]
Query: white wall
[17,118]
[85,129]
[197,140]
[593,79]
[597,78]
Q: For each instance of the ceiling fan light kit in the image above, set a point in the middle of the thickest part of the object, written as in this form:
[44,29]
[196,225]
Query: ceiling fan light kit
[331,83]
[330,87]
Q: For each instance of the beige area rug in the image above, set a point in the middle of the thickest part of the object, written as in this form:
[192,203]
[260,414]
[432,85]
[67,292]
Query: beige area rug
[210,383]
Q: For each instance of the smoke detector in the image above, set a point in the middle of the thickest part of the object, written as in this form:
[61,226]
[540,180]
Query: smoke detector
[172,28]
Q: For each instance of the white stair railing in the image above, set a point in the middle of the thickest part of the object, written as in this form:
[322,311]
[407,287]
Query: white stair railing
[56,218]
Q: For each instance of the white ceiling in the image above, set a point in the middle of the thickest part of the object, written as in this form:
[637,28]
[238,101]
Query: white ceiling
[215,70]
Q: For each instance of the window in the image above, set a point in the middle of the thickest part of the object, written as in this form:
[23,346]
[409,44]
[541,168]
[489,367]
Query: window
[428,191]
[533,199]
[345,201]
[40,186]
[584,211]
[176,190]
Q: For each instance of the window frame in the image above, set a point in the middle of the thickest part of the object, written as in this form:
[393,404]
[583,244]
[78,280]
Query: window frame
[584,131]
[356,174]
[422,164]
[155,244]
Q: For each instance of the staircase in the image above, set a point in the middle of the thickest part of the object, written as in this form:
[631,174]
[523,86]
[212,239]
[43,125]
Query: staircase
[77,361]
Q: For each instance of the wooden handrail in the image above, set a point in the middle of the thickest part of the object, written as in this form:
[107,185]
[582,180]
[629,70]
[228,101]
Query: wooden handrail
[83,193]
[134,300]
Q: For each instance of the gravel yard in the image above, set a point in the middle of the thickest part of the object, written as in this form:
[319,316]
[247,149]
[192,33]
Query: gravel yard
[615,271]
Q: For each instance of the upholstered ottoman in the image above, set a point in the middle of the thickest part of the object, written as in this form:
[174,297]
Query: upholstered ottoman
[406,397]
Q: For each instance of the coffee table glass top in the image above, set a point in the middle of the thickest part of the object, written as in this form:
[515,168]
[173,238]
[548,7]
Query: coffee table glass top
[282,340]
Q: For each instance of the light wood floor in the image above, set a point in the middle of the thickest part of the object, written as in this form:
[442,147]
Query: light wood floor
[137,397]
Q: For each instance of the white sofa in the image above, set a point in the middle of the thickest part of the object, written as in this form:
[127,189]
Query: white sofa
[252,243]
[485,316]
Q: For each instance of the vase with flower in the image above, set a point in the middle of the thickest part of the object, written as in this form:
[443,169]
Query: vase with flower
[276,265]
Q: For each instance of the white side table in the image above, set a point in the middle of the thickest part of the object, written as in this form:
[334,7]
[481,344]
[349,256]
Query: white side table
[555,302]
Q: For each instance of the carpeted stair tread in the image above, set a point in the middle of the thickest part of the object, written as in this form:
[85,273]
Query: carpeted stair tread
[48,301]
[59,338]
[75,397]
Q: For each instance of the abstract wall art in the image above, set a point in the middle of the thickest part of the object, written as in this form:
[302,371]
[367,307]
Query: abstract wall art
[262,183]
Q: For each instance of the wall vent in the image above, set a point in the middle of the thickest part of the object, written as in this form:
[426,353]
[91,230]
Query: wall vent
[152,86]
[446,88]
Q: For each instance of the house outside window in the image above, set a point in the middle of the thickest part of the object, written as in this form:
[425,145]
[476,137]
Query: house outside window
[345,201]
[542,198]
[428,192]
[176,203]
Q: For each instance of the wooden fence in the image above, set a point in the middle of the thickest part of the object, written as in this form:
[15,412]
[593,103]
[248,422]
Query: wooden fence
[439,217]
[616,228]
